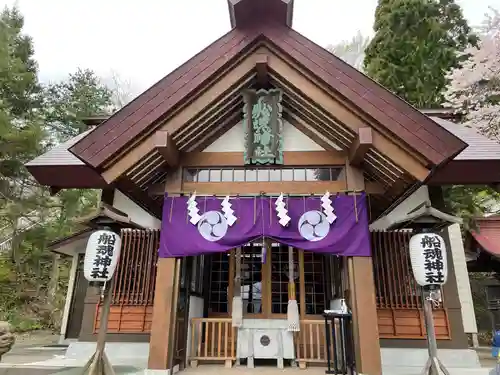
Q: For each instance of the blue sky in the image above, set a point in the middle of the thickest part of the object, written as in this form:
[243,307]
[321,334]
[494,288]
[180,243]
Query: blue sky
[144,40]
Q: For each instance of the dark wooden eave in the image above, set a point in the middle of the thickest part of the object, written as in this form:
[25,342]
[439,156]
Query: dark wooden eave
[143,115]
[244,12]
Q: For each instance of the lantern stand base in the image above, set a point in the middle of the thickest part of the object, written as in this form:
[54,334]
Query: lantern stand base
[99,363]
[433,364]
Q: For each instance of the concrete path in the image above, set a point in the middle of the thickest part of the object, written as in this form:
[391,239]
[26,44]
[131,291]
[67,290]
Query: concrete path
[39,354]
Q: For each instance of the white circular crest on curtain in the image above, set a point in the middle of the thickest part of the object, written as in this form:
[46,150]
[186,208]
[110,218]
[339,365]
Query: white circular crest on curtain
[212,226]
[314,226]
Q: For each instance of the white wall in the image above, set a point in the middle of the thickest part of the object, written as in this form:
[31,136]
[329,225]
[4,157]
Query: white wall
[69,297]
[195,311]
[462,276]
[293,140]
[134,211]
[457,251]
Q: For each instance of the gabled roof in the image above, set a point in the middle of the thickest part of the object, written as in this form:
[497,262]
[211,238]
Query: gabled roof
[479,163]
[480,146]
[141,145]
[60,168]
[60,154]
[395,117]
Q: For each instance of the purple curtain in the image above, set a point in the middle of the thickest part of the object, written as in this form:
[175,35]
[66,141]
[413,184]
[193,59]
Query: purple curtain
[256,217]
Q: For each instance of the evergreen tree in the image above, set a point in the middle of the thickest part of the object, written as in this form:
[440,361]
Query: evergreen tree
[32,119]
[21,130]
[67,102]
[416,43]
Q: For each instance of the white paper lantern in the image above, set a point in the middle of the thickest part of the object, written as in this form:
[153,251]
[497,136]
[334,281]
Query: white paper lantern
[428,259]
[101,255]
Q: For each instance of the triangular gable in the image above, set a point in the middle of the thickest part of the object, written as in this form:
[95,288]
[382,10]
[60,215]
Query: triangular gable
[394,117]
[169,93]
[233,140]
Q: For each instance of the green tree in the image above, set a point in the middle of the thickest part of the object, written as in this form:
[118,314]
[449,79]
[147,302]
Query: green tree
[21,139]
[470,202]
[79,96]
[33,118]
[21,130]
[18,69]
[416,43]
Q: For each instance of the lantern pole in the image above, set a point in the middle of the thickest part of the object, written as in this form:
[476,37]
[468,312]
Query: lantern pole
[99,363]
[427,249]
[433,364]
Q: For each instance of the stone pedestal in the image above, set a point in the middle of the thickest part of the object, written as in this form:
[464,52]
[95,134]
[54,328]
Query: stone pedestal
[7,338]
[265,339]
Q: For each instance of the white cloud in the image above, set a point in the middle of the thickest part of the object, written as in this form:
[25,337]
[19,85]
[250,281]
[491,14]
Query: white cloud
[144,40]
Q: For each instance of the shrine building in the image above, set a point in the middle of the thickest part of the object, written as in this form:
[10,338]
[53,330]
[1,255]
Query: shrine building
[264,181]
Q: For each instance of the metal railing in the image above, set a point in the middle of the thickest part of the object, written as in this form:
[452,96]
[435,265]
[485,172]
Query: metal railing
[340,344]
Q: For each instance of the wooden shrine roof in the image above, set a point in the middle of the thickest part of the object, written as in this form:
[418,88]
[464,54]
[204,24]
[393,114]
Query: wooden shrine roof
[432,142]
[323,97]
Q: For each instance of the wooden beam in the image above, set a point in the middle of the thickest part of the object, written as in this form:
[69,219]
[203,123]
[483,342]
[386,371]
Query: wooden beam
[235,159]
[295,187]
[270,188]
[361,145]
[261,68]
[166,147]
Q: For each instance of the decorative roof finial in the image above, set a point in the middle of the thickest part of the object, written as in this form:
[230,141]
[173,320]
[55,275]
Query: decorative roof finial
[246,12]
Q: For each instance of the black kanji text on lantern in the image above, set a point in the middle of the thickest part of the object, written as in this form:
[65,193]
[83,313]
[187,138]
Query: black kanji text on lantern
[433,259]
[104,254]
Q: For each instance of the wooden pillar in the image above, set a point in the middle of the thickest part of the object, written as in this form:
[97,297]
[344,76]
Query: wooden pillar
[362,299]
[166,293]
[164,310]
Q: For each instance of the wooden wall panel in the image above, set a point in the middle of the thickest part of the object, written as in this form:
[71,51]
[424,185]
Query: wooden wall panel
[133,292]
[127,319]
[409,324]
[399,304]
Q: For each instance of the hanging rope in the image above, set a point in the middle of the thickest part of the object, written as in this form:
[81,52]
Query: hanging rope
[237,310]
[255,210]
[356,206]
[293,316]
[270,211]
[264,242]
[171,210]
[435,298]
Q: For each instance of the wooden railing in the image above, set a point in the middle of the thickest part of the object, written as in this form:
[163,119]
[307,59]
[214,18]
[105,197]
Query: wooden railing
[212,339]
[398,298]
